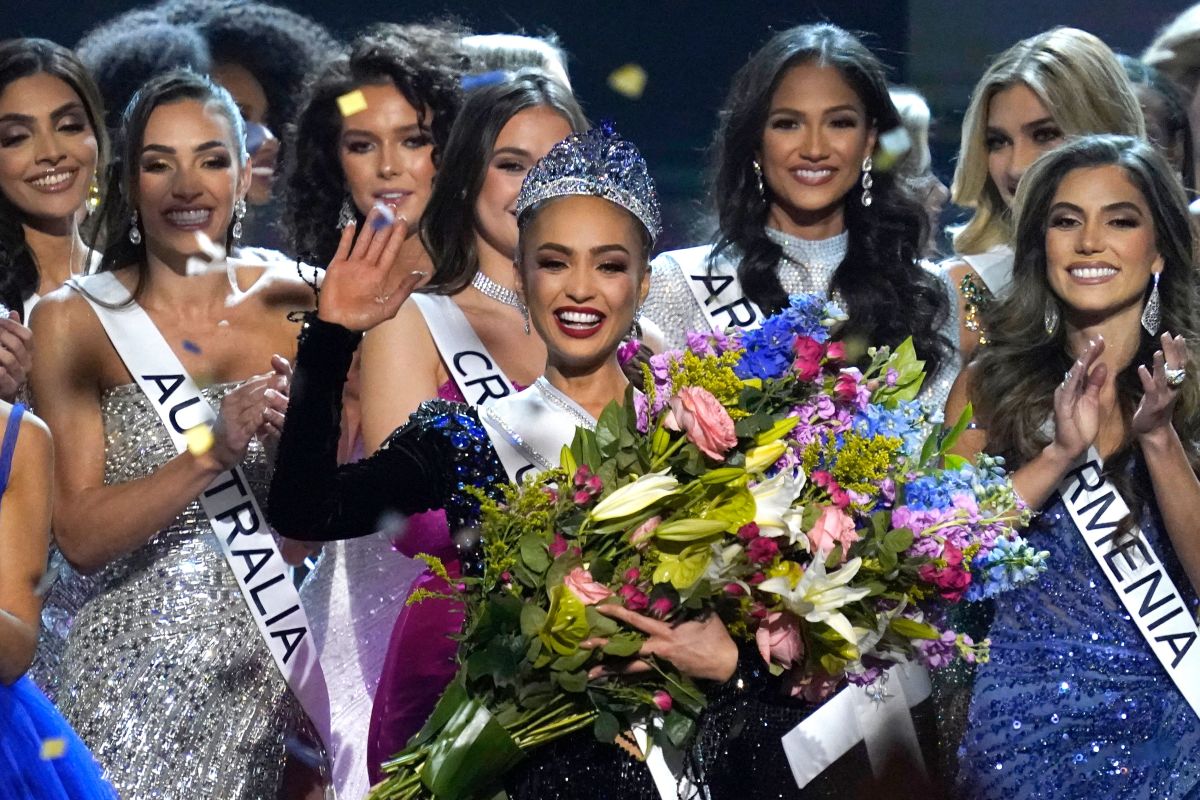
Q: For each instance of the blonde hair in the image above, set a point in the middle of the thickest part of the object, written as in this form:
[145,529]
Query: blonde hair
[1079,81]
[1176,49]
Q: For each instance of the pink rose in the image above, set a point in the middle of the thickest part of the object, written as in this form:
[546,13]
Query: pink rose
[641,535]
[953,579]
[663,701]
[833,528]
[579,582]
[778,639]
[662,607]
[762,550]
[558,546]
[807,365]
[635,599]
[705,421]
[835,351]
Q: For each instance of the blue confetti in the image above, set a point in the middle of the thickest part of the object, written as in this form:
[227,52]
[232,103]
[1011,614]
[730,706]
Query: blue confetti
[191,346]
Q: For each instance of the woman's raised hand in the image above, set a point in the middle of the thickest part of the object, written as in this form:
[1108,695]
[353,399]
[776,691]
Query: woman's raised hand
[364,285]
[1154,413]
[1077,402]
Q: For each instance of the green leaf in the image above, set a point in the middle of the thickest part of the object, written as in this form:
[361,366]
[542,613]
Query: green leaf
[887,561]
[964,419]
[600,625]
[623,644]
[678,728]
[735,508]
[689,530]
[954,462]
[571,681]
[566,460]
[560,567]
[608,428]
[911,629]
[683,570]
[534,553]
[470,755]
[533,617]
[898,541]
[572,662]
[722,475]
[607,727]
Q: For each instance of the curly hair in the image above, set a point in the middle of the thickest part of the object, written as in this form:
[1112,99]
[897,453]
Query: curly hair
[22,58]
[424,63]
[1176,126]
[1013,379]
[889,295]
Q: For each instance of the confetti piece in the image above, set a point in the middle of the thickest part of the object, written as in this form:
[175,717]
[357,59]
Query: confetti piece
[892,147]
[352,103]
[386,217]
[53,748]
[628,81]
[191,346]
[48,579]
[199,439]
[470,82]
[256,136]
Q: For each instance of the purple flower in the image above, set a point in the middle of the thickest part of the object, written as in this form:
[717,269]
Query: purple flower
[937,653]
[641,407]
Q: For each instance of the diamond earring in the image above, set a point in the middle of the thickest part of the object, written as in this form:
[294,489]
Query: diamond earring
[93,198]
[239,213]
[346,214]
[135,235]
[1152,313]
[867,182]
[1051,318]
[525,316]
[758,177]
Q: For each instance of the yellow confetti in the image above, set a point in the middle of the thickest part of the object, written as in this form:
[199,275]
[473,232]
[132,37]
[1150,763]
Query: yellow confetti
[628,80]
[199,439]
[352,103]
[893,146]
[53,748]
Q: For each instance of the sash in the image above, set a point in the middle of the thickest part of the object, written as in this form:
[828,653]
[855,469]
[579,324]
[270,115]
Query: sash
[527,432]
[715,286]
[1136,573]
[239,524]
[470,365]
[876,715]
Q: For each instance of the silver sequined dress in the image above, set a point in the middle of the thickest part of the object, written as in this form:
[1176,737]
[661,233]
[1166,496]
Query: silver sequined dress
[807,267]
[164,674]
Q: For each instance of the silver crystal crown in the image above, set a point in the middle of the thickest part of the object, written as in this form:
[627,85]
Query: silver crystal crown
[599,163]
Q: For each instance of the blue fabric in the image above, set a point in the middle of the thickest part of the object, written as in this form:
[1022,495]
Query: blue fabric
[10,444]
[1073,703]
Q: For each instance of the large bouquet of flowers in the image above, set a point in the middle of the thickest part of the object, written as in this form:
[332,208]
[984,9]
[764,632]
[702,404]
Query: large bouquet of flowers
[760,477]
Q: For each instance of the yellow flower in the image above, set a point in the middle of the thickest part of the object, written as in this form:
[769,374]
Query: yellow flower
[566,623]
[758,459]
[634,497]
[683,570]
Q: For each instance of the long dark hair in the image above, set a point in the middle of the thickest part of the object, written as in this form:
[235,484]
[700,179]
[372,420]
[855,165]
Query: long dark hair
[119,203]
[1176,107]
[425,65]
[448,225]
[1014,377]
[889,295]
[23,58]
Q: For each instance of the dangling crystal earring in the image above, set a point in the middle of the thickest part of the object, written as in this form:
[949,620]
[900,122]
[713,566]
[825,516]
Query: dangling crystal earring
[346,214]
[1152,313]
[762,190]
[1051,318]
[525,316]
[239,213]
[867,181]
[635,330]
[93,198]
[135,235]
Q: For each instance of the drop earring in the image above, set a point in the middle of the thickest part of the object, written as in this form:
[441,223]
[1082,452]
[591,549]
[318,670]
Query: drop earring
[1051,317]
[345,214]
[867,182]
[525,316]
[239,213]
[93,198]
[758,178]
[135,235]
[1152,313]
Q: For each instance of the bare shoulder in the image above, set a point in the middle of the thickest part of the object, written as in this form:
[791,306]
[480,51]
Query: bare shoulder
[64,313]
[956,269]
[35,445]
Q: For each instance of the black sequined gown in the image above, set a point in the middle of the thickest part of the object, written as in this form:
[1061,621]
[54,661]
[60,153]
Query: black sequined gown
[423,465]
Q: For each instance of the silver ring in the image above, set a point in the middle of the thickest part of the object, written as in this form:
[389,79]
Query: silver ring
[1175,377]
[1066,377]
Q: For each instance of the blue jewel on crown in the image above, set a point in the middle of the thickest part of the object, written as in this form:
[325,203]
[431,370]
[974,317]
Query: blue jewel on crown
[597,162]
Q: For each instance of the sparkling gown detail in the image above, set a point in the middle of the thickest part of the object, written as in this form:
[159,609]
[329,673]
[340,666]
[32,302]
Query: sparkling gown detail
[1073,703]
[164,674]
[423,465]
[29,724]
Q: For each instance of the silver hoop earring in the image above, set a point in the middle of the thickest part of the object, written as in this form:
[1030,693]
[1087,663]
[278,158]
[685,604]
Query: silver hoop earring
[346,215]
[867,182]
[1152,313]
[1051,318]
[758,178]
[135,235]
[239,213]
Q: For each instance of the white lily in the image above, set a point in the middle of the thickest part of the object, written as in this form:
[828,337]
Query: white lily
[634,497]
[772,500]
[818,595]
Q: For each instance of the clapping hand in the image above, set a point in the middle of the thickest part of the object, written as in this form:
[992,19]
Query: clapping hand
[363,285]
[16,348]
[1077,402]
[252,410]
[1158,403]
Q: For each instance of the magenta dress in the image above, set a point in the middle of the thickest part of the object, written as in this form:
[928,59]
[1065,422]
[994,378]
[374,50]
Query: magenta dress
[420,658]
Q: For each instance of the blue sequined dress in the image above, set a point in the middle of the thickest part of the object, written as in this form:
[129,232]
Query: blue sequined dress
[1073,703]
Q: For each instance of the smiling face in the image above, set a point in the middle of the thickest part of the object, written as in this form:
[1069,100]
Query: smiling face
[386,156]
[816,137]
[188,178]
[1019,129]
[1100,243]
[522,142]
[583,273]
[48,150]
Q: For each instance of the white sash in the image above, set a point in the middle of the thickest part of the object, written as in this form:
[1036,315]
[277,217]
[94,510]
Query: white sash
[470,365]
[1136,573]
[714,284]
[527,432]
[853,715]
[238,522]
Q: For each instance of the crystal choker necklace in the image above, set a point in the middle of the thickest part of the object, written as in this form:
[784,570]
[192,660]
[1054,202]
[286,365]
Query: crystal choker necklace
[501,294]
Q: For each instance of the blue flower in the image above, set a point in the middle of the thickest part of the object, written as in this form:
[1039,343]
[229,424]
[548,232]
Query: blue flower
[903,422]
[1009,564]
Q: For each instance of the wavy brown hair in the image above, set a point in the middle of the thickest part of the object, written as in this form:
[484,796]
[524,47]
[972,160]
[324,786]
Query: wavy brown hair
[1014,377]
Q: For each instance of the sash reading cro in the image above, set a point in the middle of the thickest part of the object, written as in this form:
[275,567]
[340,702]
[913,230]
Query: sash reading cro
[469,363]
[237,521]
[717,290]
[1136,573]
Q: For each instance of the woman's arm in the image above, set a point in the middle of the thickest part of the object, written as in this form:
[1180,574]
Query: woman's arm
[968,310]
[95,523]
[24,538]
[400,368]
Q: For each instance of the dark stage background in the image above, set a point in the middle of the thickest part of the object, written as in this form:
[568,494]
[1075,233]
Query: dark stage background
[691,49]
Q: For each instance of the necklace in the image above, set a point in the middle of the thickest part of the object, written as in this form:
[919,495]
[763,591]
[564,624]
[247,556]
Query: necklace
[561,401]
[501,294]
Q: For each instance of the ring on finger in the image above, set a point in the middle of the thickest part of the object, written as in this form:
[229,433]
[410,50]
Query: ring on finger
[1066,377]
[1175,377]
